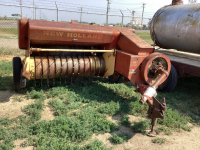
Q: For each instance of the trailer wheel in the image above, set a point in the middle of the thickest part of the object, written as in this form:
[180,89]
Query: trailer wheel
[116,78]
[17,66]
[171,81]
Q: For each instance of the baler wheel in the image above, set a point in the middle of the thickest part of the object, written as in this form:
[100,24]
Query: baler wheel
[17,66]
[116,78]
[171,81]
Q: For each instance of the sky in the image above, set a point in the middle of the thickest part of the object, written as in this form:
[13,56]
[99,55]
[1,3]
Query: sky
[117,7]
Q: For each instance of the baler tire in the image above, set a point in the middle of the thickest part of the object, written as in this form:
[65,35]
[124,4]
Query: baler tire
[17,66]
[120,79]
[171,82]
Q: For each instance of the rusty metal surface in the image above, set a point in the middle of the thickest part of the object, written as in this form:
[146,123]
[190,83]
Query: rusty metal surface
[102,66]
[45,68]
[58,66]
[87,66]
[38,67]
[92,66]
[97,66]
[131,43]
[63,66]
[23,32]
[52,67]
[177,27]
[81,66]
[59,33]
[149,65]
[75,66]
[70,69]
[177,2]
[131,71]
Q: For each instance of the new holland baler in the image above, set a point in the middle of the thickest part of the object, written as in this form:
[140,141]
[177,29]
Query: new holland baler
[62,50]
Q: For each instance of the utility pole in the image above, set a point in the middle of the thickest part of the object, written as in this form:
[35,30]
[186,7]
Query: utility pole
[143,13]
[81,16]
[108,7]
[40,14]
[122,18]
[21,8]
[33,9]
[57,11]
[35,12]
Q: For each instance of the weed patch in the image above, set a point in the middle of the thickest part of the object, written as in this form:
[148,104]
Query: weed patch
[111,108]
[120,138]
[141,126]
[159,140]
[175,120]
[58,106]
[6,121]
[17,98]
[125,121]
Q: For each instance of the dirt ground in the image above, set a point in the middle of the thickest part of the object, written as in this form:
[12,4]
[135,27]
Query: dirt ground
[178,141]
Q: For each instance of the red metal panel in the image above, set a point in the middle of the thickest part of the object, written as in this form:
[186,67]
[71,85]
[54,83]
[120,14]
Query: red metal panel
[129,66]
[59,33]
[23,34]
[186,69]
[131,43]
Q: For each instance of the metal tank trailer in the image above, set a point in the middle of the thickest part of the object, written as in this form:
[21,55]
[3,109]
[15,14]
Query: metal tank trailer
[62,50]
[177,26]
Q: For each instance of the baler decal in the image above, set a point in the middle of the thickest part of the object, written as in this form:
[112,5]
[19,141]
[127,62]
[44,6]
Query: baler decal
[73,35]
[53,33]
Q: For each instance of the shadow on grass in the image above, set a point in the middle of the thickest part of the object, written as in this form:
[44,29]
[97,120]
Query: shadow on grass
[93,89]
[184,99]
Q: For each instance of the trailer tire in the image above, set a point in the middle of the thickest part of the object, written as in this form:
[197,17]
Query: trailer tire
[116,79]
[17,66]
[171,82]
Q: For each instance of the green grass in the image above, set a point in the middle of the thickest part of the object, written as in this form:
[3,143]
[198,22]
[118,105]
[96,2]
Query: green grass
[5,75]
[159,140]
[141,126]
[120,138]
[125,121]
[11,51]
[8,36]
[145,35]
[9,30]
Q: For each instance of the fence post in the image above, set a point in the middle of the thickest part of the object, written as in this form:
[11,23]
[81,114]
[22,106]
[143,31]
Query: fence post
[35,12]
[57,11]
[81,16]
[122,18]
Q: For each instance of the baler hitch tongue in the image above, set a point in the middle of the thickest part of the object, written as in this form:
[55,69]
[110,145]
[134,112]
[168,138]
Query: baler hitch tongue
[156,111]
[155,107]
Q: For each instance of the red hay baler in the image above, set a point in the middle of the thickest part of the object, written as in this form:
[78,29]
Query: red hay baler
[60,50]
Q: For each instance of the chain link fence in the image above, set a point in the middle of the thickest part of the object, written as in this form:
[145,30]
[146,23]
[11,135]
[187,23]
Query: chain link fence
[10,14]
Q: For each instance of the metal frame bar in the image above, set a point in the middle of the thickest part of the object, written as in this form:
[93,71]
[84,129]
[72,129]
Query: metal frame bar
[68,50]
